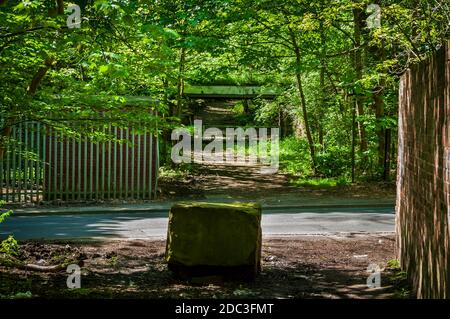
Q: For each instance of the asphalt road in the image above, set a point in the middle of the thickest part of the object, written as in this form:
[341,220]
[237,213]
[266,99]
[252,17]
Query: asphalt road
[152,225]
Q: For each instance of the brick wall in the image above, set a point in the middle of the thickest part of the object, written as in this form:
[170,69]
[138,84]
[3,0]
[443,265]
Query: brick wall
[422,220]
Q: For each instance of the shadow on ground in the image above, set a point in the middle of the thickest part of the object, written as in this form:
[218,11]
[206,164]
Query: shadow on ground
[84,226]
[301,267]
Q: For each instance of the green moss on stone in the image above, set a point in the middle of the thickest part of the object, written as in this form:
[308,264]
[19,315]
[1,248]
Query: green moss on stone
[214,234]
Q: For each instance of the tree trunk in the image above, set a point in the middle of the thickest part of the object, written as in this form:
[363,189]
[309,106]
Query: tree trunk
[298,75]
[166,141]
[323,90]
[387,155]
[246,107]
[180,84]
[359,66]
[379,114]
[378,104]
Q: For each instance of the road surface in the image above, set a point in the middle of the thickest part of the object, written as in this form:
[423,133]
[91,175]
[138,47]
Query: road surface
[153,225]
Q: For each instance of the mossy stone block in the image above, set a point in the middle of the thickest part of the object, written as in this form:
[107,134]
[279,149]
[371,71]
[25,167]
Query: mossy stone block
[214,236]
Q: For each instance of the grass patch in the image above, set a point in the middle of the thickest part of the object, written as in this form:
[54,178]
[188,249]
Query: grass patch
[398,279]
[179,171]
[9,261]
[19,295]
[321,182]
[294,157]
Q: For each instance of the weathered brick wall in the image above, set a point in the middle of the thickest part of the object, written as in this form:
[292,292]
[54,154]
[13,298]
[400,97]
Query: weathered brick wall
[423,178]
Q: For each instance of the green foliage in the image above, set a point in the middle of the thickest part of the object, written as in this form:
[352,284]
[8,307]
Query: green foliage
[101,58]
[113,261]
[321,182]
[18,295]
[294,157]
[173,173]
[394,264]
[267,112]
[66,77]
[333,162]
[10,247]
[4,215]
[398,279]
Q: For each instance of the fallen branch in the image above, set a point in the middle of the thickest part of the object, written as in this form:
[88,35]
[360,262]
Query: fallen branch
[52,268]
[11,261]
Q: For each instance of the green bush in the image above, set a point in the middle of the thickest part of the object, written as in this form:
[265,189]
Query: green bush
[294,157]
[334,162]
[10,247]
[4,215]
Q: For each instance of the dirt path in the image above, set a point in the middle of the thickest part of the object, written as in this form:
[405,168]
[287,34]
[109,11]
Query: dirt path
[246,181]
[217,114]
[295,267]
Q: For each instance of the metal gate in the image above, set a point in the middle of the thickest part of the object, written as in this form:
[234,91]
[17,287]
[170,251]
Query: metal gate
[21,175]
[42,164]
